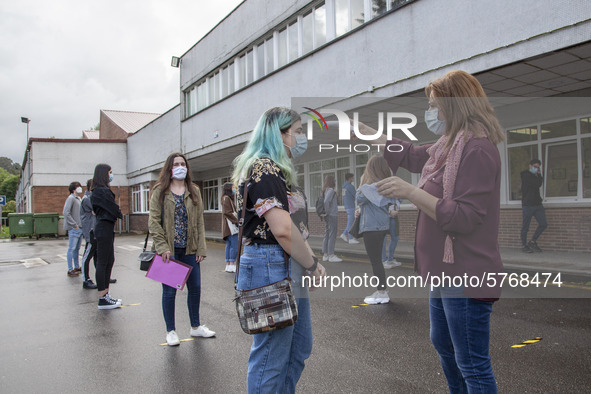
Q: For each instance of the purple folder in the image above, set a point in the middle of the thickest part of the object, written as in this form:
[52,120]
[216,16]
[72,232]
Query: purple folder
[174,273]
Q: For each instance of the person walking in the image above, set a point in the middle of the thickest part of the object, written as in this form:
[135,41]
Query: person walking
[229,216]
[388,260]
[458,198]
[349,194]
[331,219]
[177,228]
[374,223]
[531,205]
[73,226]
[87,219]
[107,212]
[277,358]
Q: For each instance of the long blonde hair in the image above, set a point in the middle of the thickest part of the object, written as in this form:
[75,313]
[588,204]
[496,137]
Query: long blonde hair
[376,169]
[462,101]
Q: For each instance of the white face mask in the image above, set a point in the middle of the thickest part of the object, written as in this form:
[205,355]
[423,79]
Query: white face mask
[179,172]
[79,190]
[436,126]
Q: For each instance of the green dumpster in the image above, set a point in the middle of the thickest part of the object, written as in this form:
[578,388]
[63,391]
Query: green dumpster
[46,224]
[20,224]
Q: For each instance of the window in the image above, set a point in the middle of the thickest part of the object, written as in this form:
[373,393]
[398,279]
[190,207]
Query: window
[293,41]
[300,35]
[318,170]
[563,147]
[210,195]
[308,33]
[319,26]
[282,48]
[140,198]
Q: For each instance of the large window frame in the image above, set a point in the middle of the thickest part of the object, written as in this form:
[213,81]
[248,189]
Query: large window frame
[541,146]
[266,49]
[140,198]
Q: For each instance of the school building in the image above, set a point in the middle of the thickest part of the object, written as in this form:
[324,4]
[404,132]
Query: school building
[374,57]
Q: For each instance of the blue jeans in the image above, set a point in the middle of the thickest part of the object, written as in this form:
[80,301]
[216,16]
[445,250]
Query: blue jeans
[330,234]
[460,332]
[231,248]
[393,242]
[539,213]
[277,357]
[193,286]
[74,242]
[350,220]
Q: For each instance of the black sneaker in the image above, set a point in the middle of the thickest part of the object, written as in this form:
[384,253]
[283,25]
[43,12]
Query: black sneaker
[112,280]
[526,249]
[88,284]
[534,246]
[108,303]
[119,300]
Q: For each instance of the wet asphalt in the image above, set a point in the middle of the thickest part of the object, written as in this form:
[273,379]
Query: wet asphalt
[55,340]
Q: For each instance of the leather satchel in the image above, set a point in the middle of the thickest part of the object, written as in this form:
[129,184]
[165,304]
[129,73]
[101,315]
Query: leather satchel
[147,256]
[264,308]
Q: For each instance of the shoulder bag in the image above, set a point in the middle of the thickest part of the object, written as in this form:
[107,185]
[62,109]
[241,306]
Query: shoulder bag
[264,308]
[147,256]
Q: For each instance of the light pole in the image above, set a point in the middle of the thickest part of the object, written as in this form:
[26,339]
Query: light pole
[27,121]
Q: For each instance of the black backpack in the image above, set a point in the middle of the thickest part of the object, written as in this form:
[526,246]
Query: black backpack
[320,211]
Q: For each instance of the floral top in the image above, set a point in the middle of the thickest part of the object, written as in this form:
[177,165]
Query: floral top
[180,221]
[268,189]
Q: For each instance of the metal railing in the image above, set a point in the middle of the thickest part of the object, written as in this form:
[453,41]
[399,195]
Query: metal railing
[122,225]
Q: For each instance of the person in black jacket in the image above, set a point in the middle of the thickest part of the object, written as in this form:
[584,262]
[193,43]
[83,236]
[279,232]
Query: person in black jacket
[107,212]
[531,205]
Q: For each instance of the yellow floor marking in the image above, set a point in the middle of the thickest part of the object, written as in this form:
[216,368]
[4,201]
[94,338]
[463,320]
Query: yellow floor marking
[139,303]
[182,340]
[529,341]
[357,306]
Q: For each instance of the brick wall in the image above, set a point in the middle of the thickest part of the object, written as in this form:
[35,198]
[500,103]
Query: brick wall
[138,222]
[52,198]
[569,229]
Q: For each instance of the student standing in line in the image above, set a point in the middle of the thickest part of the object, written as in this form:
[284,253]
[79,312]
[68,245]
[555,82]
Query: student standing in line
[229,214]
[374,223]
[107,212]
[331,219]
[177,228]
[531,205]
[87,219]
[389,248]
[73,226]
[349,193]
[277,357]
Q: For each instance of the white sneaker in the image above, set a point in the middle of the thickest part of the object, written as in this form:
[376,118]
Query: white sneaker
[172,338]
[227,269]
[232,268]
[334,259]
[344,238]
[353,241]
[324,258]
[387,264]
[395,263]
[202,331]
[378,297]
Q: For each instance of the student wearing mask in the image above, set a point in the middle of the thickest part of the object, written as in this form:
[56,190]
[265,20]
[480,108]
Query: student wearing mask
[177,227]
[87,219]
[531,205]
[73,226]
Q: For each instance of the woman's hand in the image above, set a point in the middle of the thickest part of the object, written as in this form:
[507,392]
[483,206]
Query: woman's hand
[199,259]
[357,212]
[393,213]
[317,276]
[166,256]
[394,187]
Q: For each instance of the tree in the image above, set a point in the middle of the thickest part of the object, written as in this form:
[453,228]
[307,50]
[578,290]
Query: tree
[10,207]
[3,175]
[7,164]
[8,187]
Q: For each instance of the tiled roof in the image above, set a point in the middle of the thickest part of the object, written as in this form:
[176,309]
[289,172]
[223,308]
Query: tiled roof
[130,121]
[90,134]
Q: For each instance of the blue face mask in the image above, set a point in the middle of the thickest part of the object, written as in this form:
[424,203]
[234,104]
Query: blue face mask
[534,170]
[300,147]
[436,126]
[110,178]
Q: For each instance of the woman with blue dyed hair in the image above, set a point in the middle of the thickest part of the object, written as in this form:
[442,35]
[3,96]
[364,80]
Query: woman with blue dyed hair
[275,221]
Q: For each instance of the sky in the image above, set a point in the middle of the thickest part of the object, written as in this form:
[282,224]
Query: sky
[62,61]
